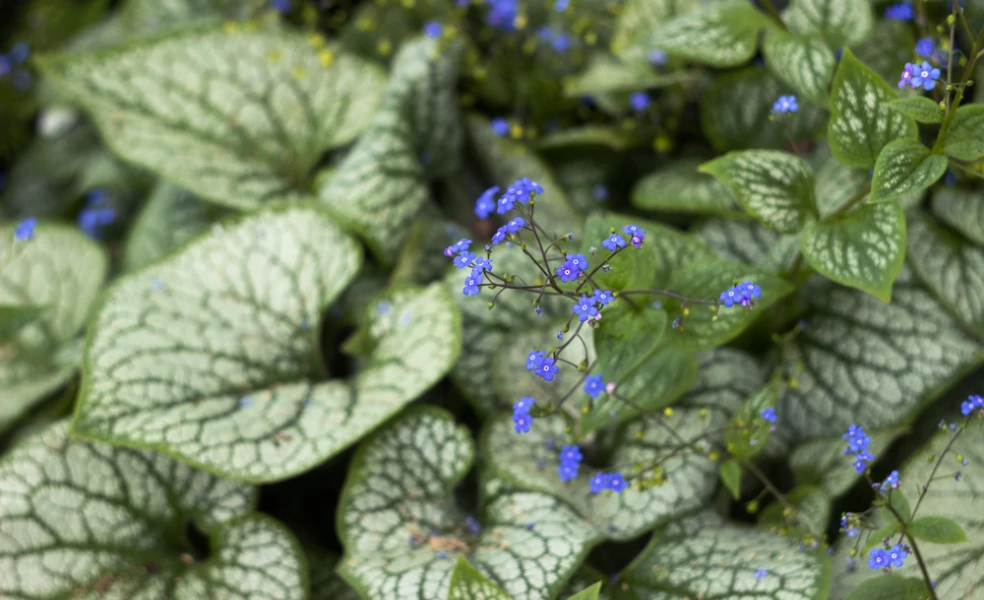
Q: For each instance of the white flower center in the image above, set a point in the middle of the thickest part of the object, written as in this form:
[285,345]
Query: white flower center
[924,74]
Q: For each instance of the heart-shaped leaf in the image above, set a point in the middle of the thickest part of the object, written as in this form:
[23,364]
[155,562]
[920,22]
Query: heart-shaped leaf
[951,267]
[704,556]
[962,210]
[964,138]
[749,242]
[724,34]
[861,122]
[170,218]
[839,22]
[904,167]
[679,187]
[92,520]
[468,583]
[864,249]
[805,63]
[867,362]
[219,343]
[774,187]
[381,186]
[51,283]
[402,530]
[183,106]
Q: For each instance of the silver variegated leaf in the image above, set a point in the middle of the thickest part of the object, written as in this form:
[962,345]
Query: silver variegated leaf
[962,210]
[639,17]
[965,138]
[870,363]
[381,186]
[822,462]
[805,63]
[52,280]
[146,16]
[704,556]
[680,187]
[212,355]
[838,22]
[468,583]
[91,520]
[326,583]
[749,242]
[837,184]
[951,267]
[861,122]
[864,248]
[402,530]
[905,167]
[236,116]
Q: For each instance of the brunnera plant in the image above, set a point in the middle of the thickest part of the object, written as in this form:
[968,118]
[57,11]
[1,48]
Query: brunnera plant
[461,299]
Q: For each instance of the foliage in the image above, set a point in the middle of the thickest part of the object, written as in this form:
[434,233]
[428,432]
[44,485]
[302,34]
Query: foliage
[491,299]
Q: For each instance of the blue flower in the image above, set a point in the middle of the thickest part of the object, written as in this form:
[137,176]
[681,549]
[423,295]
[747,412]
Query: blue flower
[907,74]
[769,414]
[502,14]
[848,524]
[524,404]
[96,214]
[567,272]
[433,29]
[545,368]
[483,264]
[613,242]
[857,440]
[745,294]
[639,101]
[514,225]
[472,525]
[891,482]
[603,297]
[531,360]
[458,247]
[471,285]
[5,65]
[500,127]
[25,229]
[567,471]
[896,555]
[464,260]
[899,12]
[926,47]
[617,483]
[878,559]
[19,52]
[578,261]
[585,309]
[608,481]
[657,58]
[561,5]
[599,482]
[636,234]
[570,462]
[485,203]
[594,385]
[600,192]
[522,421]
[281,6]
[925,77]
[760,573]
[499,236]
[522,190]
[785,104]
[970,404]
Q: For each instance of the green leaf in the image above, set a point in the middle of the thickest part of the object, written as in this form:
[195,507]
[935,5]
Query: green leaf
[704,556]
[861,123]
[864,248]
[859,360]
[805,63]
[839,22]
[147,16]
[724,34]
[707,279]
[14,318]
[951,267]
[590,593]
[468,583]
[326,584]
[639,17]
[402,531]
[878,536]
[938,530]
[838,184]
[530,461]
[918,108]
[53,279]
[889,40]
[736,112]
[673,249]
[730,472]
[962,210]
[890,587]
[747,431]
[900,503]
[904,167]
[632,268]
[606,74]
[812,511]
[749,242]
[247,399]
[382,184]
[681,188]
[170,218]
[774,187]
[240,137]
[90,520]
[822,462]
[965,138]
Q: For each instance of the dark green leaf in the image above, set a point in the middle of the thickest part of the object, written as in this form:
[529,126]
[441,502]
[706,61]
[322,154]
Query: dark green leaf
[468,583]
[747,431]
[965,138]
[904,167]
[730,472]
[861,123]
[839,22]
[590,593]
[901,506]
[632,268]
[890,587]
[962,210]
[811,511]
[938,530]
[681,188]
[749,242]
[919,108]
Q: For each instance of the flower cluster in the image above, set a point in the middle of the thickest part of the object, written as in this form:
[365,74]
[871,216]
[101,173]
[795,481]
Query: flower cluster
[485,204]
[886,559]
[891,482]
[971,404]
[916,76]
[523,190]
[745,294]
[608,481]
[502,14]
[857,443]
[785,104]
[570,462]
[926,47]
[901,11]
[573,267]
[521,414]
[851,524]
[769,414]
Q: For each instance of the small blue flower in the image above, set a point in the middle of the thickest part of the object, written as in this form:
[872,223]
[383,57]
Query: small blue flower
[561,5]
[908,72]
[281,6]
[857,440]
[571,454]
[760,573]
[458,247]
[567,272]
[524,404]
[599,482]
[502,14]
[522,190]
[617,483]
[486,203]
[769,414]
[585,309]
[433,29]
[532,359]
[5,65]
[614,242]
[636,234]
[499,236]
[483,264]
[896,554]
[567,471]
[847,525]
[891,482]
[464,260]
[639,101]
[514,225]
[25,229]
[500,127]
[19,52]
[658,58]
[578,261]
[785,104]
[96,214]
[926,47]
[878,559]
[545,368]
[925,77]
[471,285]
[603,297]
[600,192]
[899,12]
[522,422]
[472,525]
[594,385]
[971,404]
